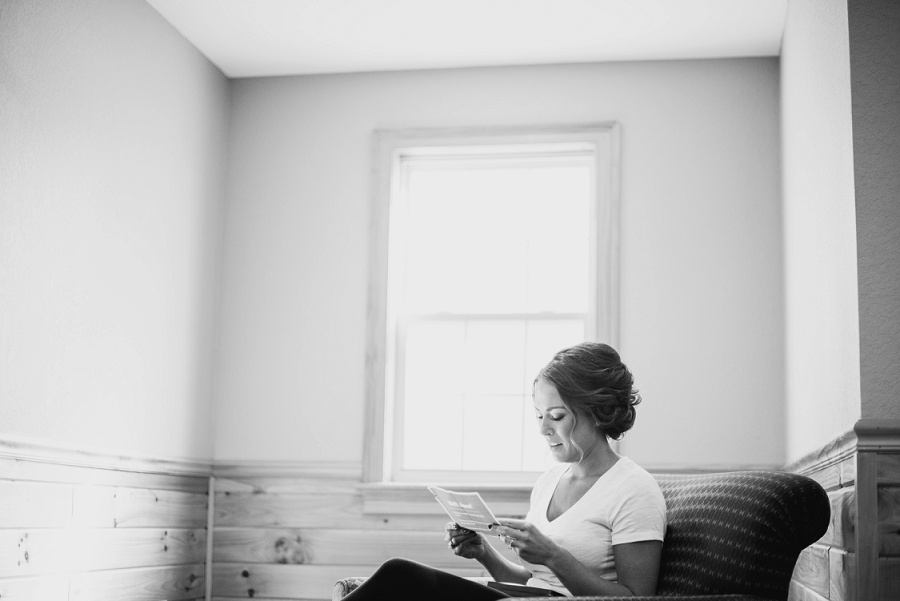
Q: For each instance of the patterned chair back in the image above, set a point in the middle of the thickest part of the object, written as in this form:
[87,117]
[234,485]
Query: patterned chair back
[738,532]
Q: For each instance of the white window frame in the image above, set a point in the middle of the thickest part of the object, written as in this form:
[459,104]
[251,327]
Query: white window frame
[389,147]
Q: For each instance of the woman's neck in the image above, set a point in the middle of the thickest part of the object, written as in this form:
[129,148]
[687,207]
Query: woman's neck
[596,463]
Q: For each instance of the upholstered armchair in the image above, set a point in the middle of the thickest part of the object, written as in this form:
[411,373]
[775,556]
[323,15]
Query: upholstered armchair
[733,536]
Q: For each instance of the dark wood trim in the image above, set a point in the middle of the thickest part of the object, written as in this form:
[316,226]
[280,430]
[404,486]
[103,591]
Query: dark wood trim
[878,435]
[866,526]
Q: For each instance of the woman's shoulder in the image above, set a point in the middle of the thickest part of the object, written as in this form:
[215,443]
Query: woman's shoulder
[634,476]
[640,508]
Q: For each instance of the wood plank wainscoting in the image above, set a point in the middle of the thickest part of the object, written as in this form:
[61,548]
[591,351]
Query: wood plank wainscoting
[78,526]
[858,559]
[289,532]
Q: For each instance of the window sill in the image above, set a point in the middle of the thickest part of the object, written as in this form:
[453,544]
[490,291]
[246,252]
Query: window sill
[402,498]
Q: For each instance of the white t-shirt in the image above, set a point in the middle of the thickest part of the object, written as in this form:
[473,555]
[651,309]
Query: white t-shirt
[625,505]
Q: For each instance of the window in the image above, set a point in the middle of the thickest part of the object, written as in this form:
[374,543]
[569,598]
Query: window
[491,250]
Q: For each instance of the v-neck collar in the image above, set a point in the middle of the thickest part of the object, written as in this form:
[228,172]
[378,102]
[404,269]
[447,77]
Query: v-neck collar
[586,492]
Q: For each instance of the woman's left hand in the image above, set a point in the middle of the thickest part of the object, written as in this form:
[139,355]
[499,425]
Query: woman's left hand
[530,544]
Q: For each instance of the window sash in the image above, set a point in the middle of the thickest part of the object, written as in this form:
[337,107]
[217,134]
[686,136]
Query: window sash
[400,473]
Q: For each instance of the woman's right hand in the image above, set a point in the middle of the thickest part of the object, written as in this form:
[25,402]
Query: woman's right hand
[465,543]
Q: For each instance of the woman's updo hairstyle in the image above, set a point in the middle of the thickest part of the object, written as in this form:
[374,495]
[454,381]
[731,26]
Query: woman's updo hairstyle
[593,382]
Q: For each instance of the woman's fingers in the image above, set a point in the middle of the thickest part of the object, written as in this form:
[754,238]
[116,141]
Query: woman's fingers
[456,541]
[513,522]
[510,523]
[455,530]
[451,528]
[519,530]
[519,534]
[459,537]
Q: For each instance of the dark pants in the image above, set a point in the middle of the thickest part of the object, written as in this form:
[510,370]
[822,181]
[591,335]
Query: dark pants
[405,580]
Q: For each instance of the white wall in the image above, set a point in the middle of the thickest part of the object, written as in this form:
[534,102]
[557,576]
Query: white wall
[111,170]
[875,75]
[821,306]
[702,293]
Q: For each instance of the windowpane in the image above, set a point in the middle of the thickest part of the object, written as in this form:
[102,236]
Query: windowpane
[558,274]
[433,358]
[432,392]
[492,438]
[431,439]
[558,201]
[501,240]
[465,274]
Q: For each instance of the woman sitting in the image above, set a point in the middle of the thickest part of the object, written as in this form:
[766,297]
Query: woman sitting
[597,520]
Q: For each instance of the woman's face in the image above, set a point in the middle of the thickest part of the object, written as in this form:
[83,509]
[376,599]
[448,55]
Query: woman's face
[561,427]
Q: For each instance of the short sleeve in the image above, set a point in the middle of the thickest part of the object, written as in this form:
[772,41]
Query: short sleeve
[641,514]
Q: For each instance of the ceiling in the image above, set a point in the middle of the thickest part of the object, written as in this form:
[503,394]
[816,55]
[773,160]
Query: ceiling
[253,38]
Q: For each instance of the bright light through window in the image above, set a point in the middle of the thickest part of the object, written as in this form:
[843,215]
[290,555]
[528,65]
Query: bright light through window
[491,277]
[502,240]
[497,255]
